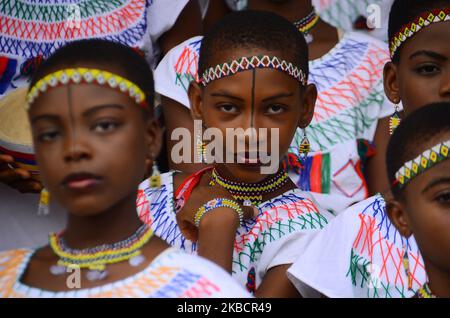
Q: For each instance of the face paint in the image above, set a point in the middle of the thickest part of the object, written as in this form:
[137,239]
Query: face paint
[71,118]
[252,114]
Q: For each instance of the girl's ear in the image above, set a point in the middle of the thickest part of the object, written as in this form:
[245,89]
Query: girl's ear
[196,100]
[391,87]
[309,102]
[397,214]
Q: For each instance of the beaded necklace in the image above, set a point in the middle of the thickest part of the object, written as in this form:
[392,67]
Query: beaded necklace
[306,24]
[251,193]
[96,258]
[425,292]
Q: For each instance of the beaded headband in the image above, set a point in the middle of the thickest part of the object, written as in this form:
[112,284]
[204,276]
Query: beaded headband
[425,161]
[420,22]
[86,75]
[249,63]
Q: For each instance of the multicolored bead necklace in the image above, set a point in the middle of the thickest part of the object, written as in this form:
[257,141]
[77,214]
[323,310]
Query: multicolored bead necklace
[306,24]
[250,193]
[95,259]
[424,292]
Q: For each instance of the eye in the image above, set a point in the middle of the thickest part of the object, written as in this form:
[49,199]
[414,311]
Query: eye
[275,109]
[105,126]
[228,108]
[428,69]
[443,198]
[48,135]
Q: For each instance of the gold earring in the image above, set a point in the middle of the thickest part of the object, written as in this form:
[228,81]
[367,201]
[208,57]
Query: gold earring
[395,119]
[155,178]
[44,200]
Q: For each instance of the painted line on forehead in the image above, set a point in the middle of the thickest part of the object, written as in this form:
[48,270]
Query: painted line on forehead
[252,122]
[71,117]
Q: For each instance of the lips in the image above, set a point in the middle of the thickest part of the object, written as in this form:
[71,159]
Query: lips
[81,181]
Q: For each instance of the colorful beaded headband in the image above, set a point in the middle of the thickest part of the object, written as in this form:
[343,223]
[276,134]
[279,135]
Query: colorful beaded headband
[86,75]
[425,161]
[422,21]
[249,63]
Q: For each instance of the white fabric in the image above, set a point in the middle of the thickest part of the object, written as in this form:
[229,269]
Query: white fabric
[359,254]
[177,69]
[261,243]
[343,13]
[171,274]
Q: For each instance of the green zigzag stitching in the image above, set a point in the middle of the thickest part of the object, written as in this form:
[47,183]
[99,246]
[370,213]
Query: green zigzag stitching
[57,12]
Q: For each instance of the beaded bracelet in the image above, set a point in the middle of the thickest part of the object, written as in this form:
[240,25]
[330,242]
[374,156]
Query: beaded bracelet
[218,203]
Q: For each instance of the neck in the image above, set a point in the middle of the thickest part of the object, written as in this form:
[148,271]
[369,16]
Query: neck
[438,280]
[111,226]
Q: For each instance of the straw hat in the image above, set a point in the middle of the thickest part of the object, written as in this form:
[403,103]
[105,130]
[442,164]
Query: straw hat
[15,132]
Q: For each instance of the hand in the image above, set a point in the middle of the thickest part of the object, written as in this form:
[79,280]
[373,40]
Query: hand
[201,195]
[17,178]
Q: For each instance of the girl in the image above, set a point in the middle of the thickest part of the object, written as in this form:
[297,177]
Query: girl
[351,112]
[420,174]
[32,30]
[361,245]
[247,82]
[90,119]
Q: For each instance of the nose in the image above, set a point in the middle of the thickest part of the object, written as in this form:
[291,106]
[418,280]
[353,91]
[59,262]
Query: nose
[444,90]
[75,149]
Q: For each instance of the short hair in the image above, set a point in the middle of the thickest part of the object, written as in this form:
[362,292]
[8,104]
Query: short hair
[405,11]
[417,128]
[255,29]
[131,63]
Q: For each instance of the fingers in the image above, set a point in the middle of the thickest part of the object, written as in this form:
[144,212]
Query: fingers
[17,178]
[4,159]
[27,186]
[250,212]
[9,175]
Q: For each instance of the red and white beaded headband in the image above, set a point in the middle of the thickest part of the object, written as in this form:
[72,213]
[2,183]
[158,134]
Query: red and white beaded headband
[86,75]
[250,63]
[420,22]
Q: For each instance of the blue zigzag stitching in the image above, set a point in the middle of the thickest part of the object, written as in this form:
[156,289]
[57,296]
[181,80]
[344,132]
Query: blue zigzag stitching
[27,48]
[343,61]
[377,209]
[196,45]
[163,218]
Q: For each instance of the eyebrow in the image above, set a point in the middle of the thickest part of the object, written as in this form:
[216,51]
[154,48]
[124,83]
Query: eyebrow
[44,117]
[443,180]
[227,95]
[95,109]
[278,96]
[431,54]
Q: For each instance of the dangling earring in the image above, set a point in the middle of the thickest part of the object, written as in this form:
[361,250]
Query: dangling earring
[405,262]
[44,199]
[155,178]
[304,147]
[395,120]
[201,150]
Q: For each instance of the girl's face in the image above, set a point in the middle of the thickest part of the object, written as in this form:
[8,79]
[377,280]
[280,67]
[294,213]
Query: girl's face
[261,98]
[422,76]
[424,210]
[91,145]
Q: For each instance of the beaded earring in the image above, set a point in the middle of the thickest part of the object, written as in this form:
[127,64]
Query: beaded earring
[44,200]
[405,262]
[304,147]
[395,120]
[155,178]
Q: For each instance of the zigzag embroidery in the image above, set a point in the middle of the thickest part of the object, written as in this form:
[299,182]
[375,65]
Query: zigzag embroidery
[28,39]
[186,67]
